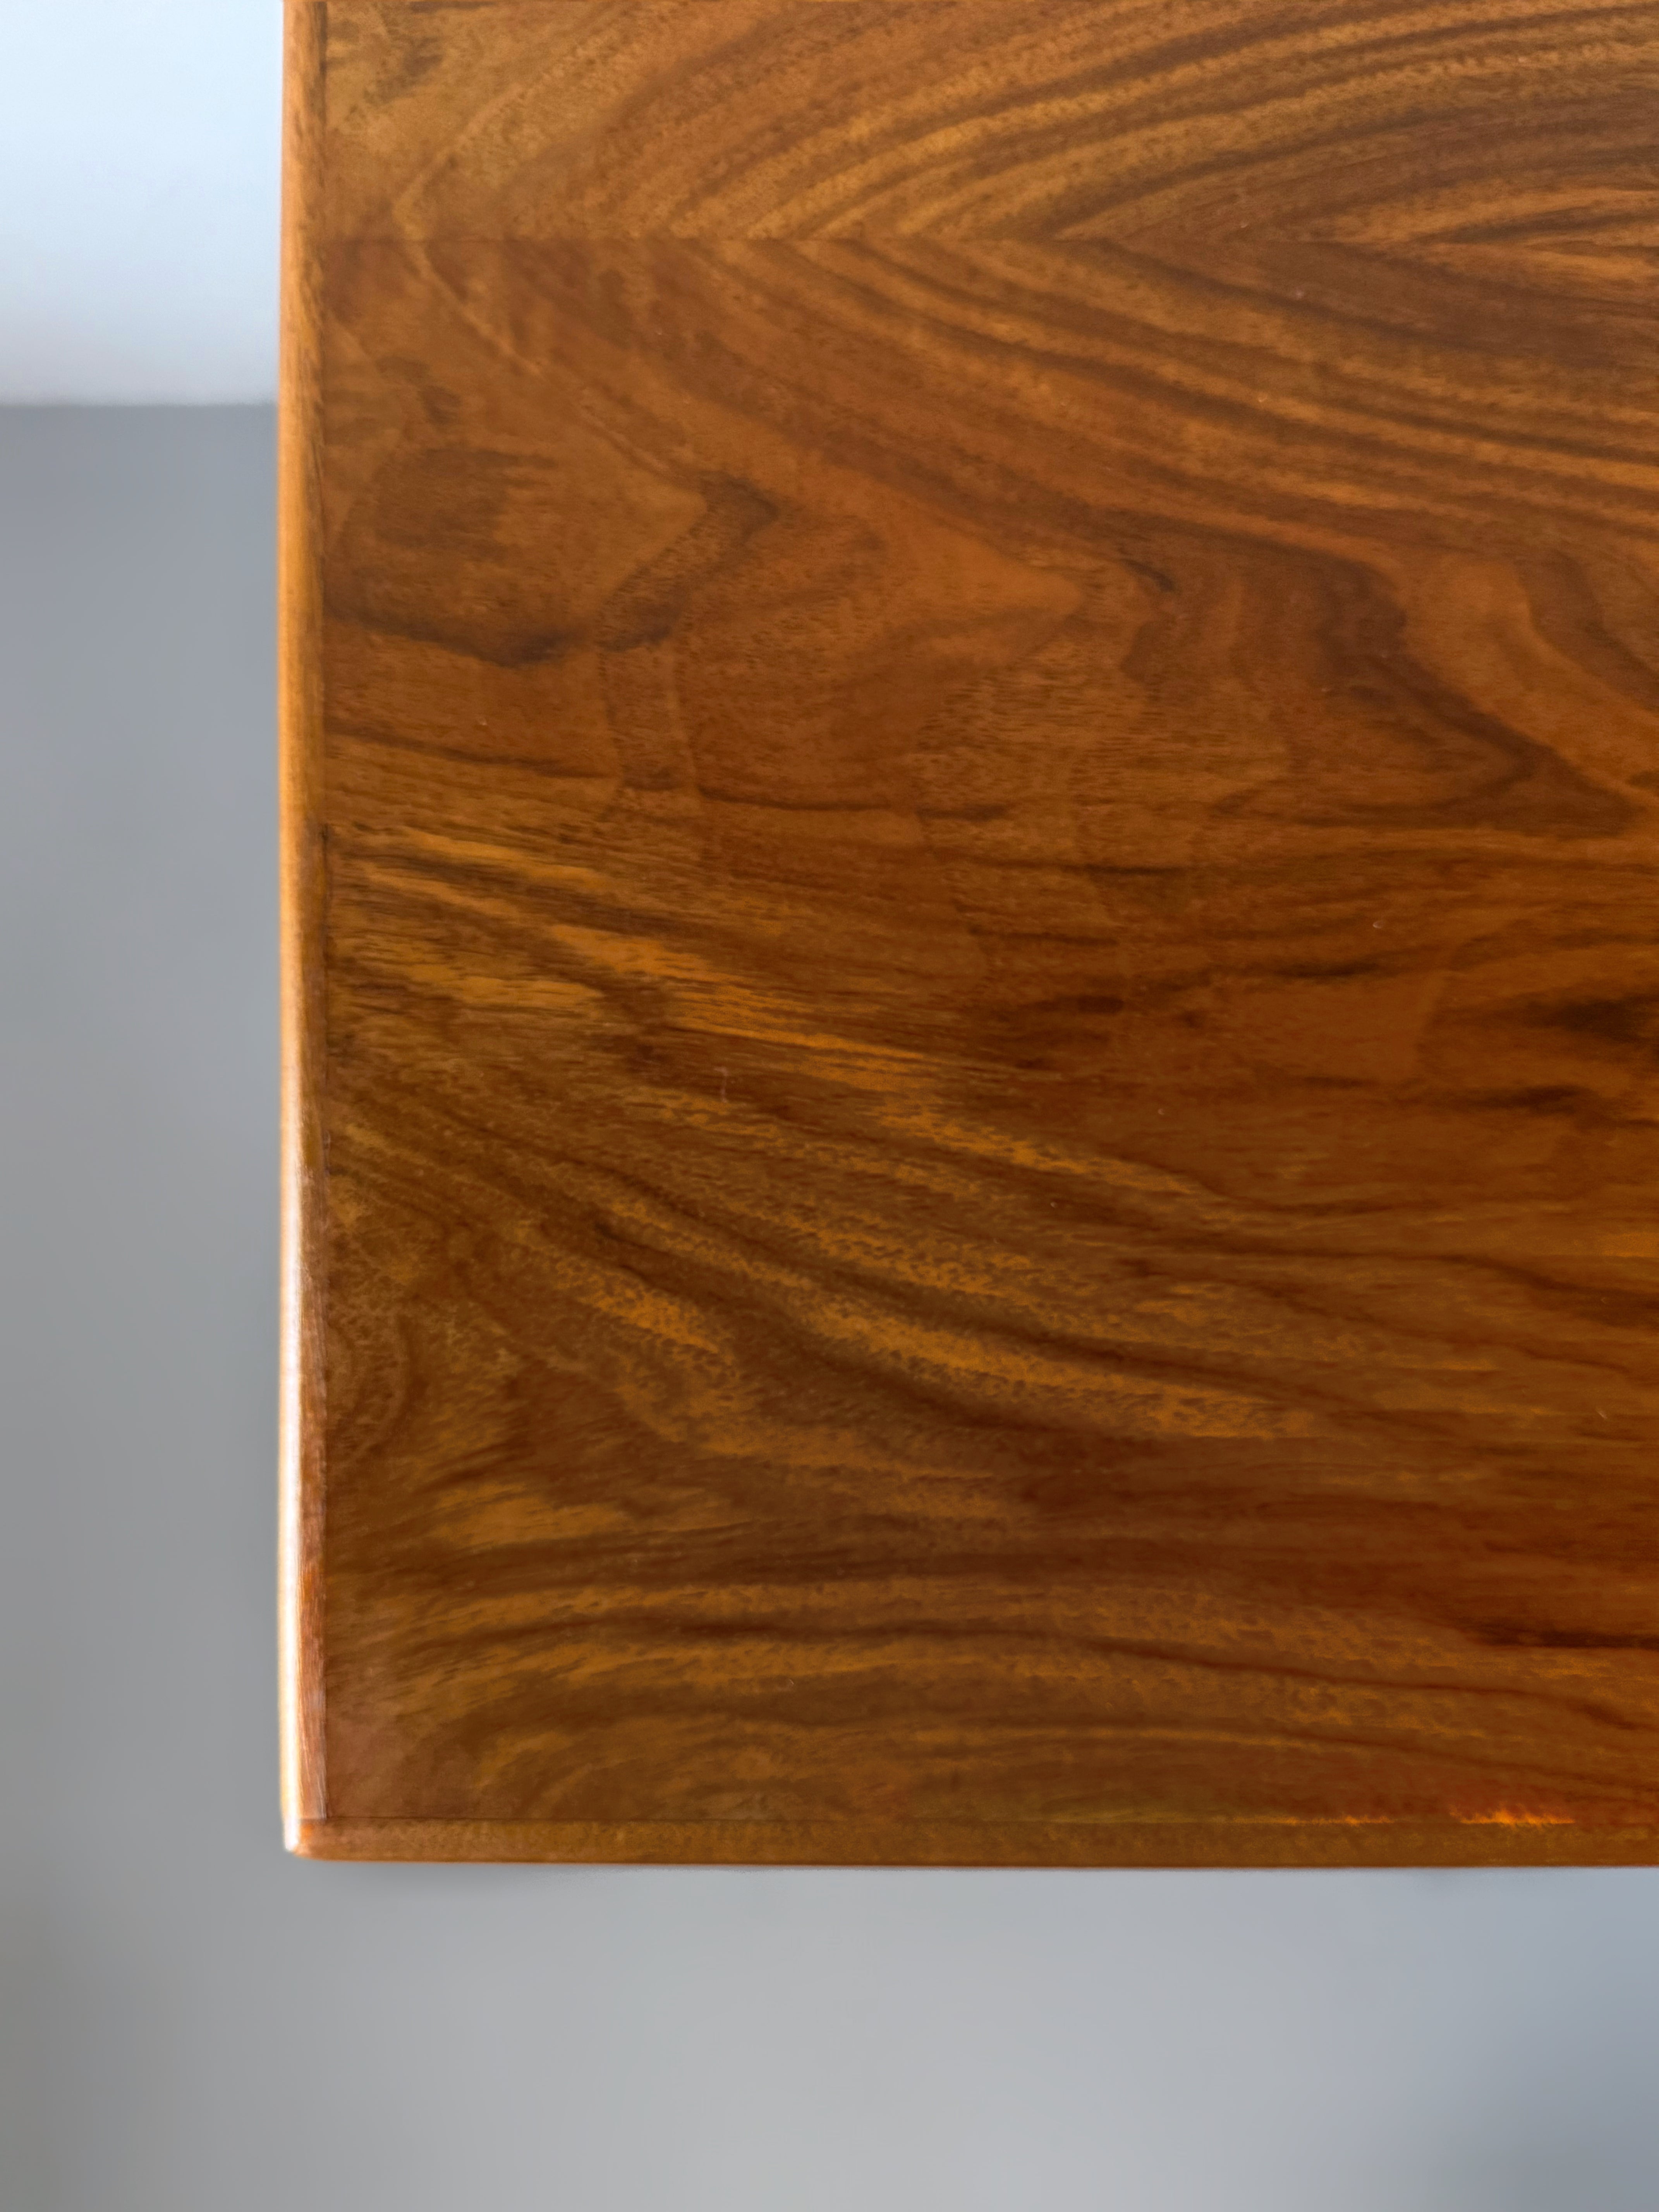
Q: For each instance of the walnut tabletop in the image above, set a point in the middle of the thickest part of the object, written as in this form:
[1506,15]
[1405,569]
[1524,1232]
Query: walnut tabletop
[971,799]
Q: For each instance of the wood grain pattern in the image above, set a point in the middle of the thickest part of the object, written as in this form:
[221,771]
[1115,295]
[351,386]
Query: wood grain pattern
[985,936]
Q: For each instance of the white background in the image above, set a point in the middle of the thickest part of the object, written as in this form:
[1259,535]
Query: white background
[138,199]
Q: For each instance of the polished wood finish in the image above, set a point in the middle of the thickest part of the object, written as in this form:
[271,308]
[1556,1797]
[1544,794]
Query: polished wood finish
[973,753]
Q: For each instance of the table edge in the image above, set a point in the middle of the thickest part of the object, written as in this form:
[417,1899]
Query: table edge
[1218,1844]
[302,892]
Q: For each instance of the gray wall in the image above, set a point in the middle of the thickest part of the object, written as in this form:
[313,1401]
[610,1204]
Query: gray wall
[189,2021]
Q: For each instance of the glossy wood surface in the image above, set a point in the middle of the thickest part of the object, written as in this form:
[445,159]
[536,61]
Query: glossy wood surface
[973,756]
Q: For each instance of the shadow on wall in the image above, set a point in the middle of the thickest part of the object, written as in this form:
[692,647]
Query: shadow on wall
[1548,2176]
[30,1978]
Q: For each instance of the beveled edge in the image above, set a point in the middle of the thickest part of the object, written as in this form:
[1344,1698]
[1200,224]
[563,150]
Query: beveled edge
[1216,1844]
[303,895]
